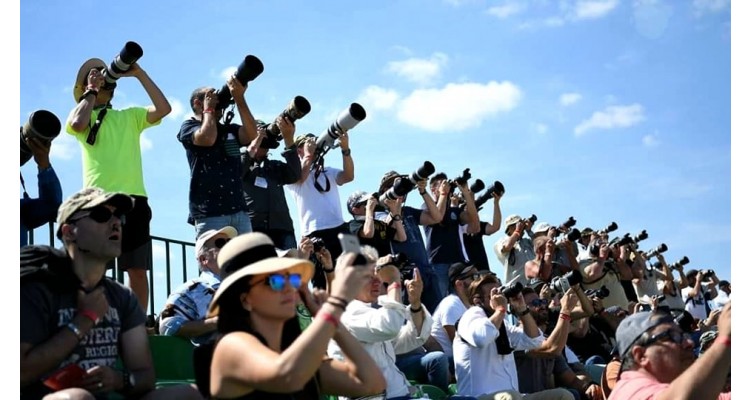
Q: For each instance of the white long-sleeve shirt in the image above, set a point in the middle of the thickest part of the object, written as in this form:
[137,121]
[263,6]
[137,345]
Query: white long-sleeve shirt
[479,368]
[384,332]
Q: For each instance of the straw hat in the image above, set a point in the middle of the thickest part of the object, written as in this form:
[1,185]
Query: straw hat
[81,79]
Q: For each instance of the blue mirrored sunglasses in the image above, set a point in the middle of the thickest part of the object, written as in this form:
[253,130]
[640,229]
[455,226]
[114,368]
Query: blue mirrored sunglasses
[278,281]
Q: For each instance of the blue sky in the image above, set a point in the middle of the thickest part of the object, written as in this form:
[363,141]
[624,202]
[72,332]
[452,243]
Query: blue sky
[605,110]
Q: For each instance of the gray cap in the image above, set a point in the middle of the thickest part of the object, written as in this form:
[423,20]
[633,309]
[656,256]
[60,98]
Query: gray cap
[632,327]
[89,198]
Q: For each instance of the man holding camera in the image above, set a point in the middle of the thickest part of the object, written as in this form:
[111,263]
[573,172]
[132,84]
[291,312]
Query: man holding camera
[599,271]
[515,250]
[317,196]
[701,288]
[213,154]
[444,245]
[36,212]
[263,183]
[111,146]
[370,229]
[473,243]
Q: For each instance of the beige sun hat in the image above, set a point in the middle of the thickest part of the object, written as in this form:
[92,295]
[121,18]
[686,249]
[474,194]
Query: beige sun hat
[80,84]
[253,254]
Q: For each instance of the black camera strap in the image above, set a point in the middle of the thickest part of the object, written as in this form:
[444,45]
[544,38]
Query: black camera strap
[317,185]
[94,130]
[23,185]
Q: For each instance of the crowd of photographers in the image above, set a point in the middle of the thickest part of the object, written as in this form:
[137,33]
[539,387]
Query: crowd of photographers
[563,322]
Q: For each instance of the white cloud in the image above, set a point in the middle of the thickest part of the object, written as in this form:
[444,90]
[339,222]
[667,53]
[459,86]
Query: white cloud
[419,70]
[457,106]
[378,98]
[568,99]
[650,141]
[64,147]
[178,110]
[540,128]
[506,10]
[146,143]
[227,72]
[592,9]
[701,7]
[612,117]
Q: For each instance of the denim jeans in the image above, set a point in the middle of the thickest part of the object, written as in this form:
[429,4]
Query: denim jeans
[441,278]
[430,368]
[238,220]
[430,291]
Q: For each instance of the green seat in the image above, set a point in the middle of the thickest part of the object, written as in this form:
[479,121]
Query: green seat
[452,389]
[433,392]
[173,360]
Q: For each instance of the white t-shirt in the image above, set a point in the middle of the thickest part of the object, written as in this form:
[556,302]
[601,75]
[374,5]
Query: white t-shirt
[450,310]
[318,210]
[696,306]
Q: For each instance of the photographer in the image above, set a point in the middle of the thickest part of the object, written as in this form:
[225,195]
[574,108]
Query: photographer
[213,154]
[111,148]
[317,196]
[600,270]
[515,250]
[371,230]
[263,183]
[443,238]
[35,212]
[701,288]
[645,280]
[473,243]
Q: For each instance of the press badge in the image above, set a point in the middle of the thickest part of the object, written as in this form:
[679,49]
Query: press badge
[261,182]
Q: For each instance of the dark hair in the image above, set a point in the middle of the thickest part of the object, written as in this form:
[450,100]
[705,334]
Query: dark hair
[476,286]
[438,177]
[528,290]
[232,316]
[628,360]
[198,94]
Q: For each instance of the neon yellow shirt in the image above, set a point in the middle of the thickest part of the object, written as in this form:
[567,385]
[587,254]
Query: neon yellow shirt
[113,163]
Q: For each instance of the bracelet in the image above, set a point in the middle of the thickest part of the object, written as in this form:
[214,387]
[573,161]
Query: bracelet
[90,315]
[346,153]
[565,317]
[415,311]
[396,285]
[725,340]
[88,92]
[396,217]
[327,317]
[76,331]
[524,312]
[208,111]
[341,299]
[422,192]
[328,271]
[336,304]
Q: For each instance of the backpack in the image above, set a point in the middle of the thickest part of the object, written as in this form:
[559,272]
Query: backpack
[47,264]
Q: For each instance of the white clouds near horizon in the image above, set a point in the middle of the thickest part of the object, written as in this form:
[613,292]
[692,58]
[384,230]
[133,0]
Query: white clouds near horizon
[419,70]
[568,99]
[612,117]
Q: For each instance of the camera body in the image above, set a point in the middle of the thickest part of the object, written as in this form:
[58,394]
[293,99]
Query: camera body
[707,274]
[129,54]
[561,284]
[601,293]
[249,69]
[317,243]
[42,125]
[512,290]
[569,223]
[406,266]
[461,180]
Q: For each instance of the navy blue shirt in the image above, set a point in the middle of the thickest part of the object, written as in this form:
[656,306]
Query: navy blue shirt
[215,171]
[474,247]
[443,240]
[413,247]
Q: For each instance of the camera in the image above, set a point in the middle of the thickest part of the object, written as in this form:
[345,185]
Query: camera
[621,241]
[512,290]
[422,173]
[496,187]
[680,263]
[561,284]
[248,70]
[297,108]
[401,186]
[122,62]
[477,186]
[569,223]
[461,180]
[42,125]
[402,262]
[347,120]
[641,236]
[573,235]
[657,250]
[707,274]
[609,228]
[532,219]
[317,243]
[601,293]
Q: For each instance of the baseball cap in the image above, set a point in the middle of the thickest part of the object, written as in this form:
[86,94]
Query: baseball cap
[542,227]
[357,198]
[387,180]
[635,325]
[586,231]
[90,198]
[301,138]
[457,270]
[209,234]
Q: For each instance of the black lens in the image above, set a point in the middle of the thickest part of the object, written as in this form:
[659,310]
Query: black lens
[220,242]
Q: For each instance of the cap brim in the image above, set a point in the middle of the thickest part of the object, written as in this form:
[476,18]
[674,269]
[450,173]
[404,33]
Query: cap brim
[80,84]
[293,265]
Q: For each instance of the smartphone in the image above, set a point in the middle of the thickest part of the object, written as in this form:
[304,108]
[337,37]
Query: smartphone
[67,377]
[350,244]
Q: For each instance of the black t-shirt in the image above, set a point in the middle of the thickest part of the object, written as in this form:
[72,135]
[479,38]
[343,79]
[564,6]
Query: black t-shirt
[474,247]
[443,240]
[380,240]
[215,171]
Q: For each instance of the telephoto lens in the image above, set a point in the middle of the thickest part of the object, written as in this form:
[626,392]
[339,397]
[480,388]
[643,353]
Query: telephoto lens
[657,250]
[477,186]
[297,108]
[249,69]
[422,173]
[610,228]
[561,284]
[573,235]
[42,125]
[121,64]
[569,223]
[497,187]
[512,291]
[461,180]
[532,219]
[401,186]
[347,120]
[641,236]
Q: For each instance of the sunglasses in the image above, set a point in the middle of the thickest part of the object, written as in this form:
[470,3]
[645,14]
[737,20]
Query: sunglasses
[671,336]
[101,215]
[278,281]
[539,303]
[473,276]
[220,242]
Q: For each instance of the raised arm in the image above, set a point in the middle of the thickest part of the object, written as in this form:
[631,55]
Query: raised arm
[347,173]
[249,129]
[469,215]
[80,117]
[497,216]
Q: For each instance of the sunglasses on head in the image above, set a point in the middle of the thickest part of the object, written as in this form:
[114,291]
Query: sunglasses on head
[220,242]
[101,214]
[278,281]
[539,302]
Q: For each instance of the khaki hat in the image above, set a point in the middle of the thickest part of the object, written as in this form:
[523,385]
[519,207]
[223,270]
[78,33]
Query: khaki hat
[90,198]
[253,254]
[81,79]
[209,234]
[301,138]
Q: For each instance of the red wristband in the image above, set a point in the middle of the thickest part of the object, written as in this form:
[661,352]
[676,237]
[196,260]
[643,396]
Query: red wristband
[394,285]
[565,317]
[725,340]
[90,315]
[327,317]
[208,111]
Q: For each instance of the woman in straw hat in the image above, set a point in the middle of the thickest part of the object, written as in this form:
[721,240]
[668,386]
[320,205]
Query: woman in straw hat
[261,352]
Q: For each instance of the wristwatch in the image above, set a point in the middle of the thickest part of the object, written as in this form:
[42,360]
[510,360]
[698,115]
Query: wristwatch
[128,381]
[524,312]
